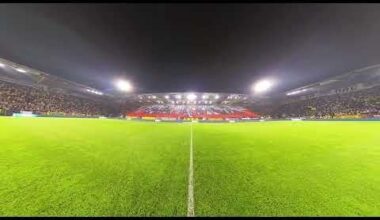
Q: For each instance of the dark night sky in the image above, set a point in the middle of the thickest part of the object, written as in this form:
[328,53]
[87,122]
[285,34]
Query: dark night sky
[191,47]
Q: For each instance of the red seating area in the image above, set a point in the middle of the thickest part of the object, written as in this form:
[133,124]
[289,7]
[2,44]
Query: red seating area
[193,111]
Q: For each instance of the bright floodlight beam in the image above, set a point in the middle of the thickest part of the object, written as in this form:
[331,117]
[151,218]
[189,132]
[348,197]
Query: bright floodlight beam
[262,86]
[191,96]
[178,96]
[20,70]
[124,85]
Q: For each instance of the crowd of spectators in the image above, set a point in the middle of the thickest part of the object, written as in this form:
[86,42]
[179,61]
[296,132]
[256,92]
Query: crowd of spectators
[363,103]
[201,111]
[16,98]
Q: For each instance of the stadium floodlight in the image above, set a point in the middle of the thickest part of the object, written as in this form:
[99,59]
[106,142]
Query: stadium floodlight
[216,97]
[94,91]
[97,92]
[205,97]
[20,70]
[262,86]
[191,96]
[296,92]
[178,96]
[124,85]
[167,97]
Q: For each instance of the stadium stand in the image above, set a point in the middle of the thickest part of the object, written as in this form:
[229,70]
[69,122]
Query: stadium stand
[26,89]
[355,94]
[193,111]
[16,98]
[359,104]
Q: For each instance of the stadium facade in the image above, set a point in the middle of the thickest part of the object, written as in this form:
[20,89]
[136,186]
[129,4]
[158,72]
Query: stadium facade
[353,94]
[353,81]
[201,106]
[22,75]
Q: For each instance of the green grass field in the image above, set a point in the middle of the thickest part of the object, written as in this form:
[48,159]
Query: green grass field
[103,167]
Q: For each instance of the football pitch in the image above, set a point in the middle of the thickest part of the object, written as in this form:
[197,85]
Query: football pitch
[105,167]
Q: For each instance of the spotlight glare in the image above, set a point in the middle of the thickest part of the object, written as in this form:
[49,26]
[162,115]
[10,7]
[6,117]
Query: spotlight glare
[191,96]
[21,70]
[262,86]
[94,92]
[2,65]
[124,85]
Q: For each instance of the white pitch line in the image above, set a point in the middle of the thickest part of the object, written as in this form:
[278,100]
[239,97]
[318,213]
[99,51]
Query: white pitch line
[190,196]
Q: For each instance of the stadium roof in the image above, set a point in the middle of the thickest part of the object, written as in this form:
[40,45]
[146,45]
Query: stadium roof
[20,74]
[367,77]
[195,98]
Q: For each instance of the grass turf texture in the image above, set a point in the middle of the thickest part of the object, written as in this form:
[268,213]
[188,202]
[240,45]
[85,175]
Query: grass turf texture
[288,168]
[93,167]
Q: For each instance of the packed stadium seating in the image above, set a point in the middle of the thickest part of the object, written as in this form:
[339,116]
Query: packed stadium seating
[15,98]
[363,103]
[351,104]
[194,111]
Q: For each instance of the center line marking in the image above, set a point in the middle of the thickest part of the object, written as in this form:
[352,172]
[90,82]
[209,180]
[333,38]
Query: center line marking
[190,198]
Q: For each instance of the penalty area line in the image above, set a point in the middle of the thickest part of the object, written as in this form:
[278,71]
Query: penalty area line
[190,195]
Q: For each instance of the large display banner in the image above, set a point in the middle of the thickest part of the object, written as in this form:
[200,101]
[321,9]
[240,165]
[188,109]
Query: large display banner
[24,114]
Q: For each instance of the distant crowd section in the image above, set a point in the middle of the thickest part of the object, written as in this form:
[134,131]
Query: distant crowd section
[16,98]
[193,111]
[359,104]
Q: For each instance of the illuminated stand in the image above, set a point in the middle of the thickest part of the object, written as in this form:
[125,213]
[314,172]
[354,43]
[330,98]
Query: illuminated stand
[24,114]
